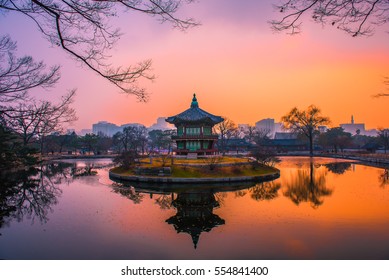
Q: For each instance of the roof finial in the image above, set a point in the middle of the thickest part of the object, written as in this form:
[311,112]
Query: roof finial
[194,103]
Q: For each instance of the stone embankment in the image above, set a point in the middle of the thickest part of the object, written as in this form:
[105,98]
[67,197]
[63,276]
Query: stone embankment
[370,159]
[363,159]
[167,180]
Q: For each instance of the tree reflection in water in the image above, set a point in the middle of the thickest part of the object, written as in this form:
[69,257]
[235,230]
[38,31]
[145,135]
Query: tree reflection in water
[32,193]
[164,201]
[308,186]
[384,178]
[265,191]
[338,167]
[128,192]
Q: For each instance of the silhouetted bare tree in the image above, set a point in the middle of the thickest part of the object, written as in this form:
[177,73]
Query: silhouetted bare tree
[354,17]
[83,30]
[250,133]
[305,122]
[36,119]
[336,138]
[18,75]
[386,91]
[226,129]
[383,138]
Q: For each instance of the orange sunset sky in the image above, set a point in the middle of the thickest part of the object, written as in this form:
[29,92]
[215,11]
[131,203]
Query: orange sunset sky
[234,63]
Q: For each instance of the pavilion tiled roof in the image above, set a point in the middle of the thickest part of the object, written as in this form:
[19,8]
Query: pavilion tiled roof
[194,114]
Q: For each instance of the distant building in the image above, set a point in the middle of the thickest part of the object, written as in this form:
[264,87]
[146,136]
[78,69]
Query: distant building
[286,141]
[371,132]
[285,135]
[130,124]
[105,128]
[160,125]
[85,131]
[268,125]
[353,128]
[110,129]
[322,128]
[243,129]
[237,145]
[357,128]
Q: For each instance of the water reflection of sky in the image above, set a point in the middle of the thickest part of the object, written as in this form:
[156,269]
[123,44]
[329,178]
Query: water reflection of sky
[320,209]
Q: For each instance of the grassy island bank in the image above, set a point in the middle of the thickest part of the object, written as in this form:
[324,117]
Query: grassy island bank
[195,170]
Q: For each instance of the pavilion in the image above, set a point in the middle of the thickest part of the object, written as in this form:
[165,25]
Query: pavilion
[194,130]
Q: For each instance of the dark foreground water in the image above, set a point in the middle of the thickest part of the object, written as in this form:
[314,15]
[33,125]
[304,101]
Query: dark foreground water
[320,209]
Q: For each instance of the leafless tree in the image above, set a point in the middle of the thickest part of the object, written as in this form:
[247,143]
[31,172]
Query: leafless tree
[132,138]
[18,75]
[261,152]
[356,17]
[36,119]
[261,136]
[226,129]
[305,122]
[82,29]
[383,138]
[249,133]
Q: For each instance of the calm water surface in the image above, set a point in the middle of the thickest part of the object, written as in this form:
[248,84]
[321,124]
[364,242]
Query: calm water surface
[317,209]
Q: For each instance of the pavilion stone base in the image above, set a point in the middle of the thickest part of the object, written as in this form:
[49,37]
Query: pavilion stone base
[191,156]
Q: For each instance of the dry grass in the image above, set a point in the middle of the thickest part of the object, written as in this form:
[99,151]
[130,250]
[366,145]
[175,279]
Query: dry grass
[220,172]
[158,162]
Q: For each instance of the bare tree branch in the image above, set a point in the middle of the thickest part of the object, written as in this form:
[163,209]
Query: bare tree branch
[386,92]
[35,119]
[356,17]
[18,75]
[82,29]
[305,122]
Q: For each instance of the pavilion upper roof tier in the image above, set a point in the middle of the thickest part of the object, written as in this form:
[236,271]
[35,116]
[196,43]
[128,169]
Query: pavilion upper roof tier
[194,115]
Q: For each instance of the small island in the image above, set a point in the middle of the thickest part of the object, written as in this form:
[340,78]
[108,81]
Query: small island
[195,158]
[201,170]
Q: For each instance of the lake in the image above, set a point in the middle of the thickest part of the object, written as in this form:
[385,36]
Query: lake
[318,209]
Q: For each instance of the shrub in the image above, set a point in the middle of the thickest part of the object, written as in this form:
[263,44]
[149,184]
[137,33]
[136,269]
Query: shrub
[127,159]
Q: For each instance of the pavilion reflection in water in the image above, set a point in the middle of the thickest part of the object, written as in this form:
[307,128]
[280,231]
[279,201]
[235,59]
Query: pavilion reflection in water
[195,214]
[194,205]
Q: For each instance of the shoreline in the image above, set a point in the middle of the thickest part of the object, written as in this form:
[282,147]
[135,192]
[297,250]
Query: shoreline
[371,161]
[204,180]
